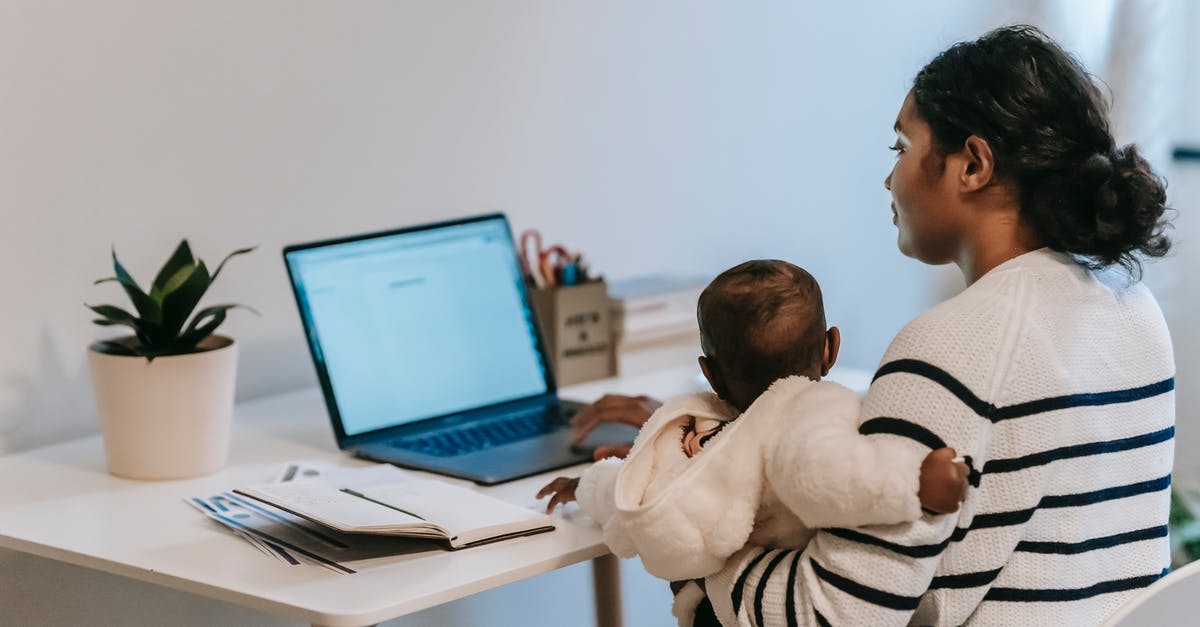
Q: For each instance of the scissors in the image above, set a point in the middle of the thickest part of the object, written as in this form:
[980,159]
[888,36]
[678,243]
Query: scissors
[544,269]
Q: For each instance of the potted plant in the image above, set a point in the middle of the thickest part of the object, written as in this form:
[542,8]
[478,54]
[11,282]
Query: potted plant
[164,394]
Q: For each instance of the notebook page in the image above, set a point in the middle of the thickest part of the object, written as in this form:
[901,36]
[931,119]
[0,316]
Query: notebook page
[331,506]
[457,510]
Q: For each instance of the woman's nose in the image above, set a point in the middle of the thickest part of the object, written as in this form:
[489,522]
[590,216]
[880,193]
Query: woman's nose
[887,182]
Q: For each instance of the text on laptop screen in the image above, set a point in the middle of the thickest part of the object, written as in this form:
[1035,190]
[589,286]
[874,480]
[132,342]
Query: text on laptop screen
[422,324]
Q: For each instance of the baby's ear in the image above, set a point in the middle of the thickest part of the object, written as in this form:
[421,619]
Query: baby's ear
[833,343]
[714,379]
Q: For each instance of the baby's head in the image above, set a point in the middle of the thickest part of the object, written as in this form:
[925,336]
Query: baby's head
[761,321]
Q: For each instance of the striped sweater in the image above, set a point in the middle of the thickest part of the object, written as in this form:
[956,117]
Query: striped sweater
[1058,383]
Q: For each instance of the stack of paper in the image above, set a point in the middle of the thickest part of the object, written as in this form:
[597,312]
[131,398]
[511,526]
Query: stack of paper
[654,308]
[333,516]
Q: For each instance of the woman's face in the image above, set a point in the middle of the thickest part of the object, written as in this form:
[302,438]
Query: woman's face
[925,206]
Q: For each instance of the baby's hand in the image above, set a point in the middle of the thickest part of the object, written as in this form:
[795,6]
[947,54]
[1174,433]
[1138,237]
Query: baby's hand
[943,482]
[561,492]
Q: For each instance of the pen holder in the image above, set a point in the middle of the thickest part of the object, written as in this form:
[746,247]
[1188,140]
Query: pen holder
[576,324]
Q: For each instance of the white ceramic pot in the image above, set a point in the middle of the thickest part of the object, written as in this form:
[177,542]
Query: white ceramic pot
[169,418]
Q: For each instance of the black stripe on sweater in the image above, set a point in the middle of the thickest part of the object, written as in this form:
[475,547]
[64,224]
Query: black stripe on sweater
[865,593]
[1020,410]
[789,607]
[997,519]
[762,585]
[1084,400]
[736,594]
[820,619]
[1107,494]
[1021,516]
[925,550]
[1022,595]
[903,428]
[1078,450]
[1017,517]
[965,580]
[1107,542]
[939,376]
[975,580]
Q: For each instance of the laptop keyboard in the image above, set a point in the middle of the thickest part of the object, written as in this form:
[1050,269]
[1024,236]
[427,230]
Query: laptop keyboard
[481,435]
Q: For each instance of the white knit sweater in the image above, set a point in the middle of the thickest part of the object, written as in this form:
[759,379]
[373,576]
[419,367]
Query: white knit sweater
[1059,385]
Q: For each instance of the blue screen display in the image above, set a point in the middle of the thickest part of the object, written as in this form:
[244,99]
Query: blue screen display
[417,325]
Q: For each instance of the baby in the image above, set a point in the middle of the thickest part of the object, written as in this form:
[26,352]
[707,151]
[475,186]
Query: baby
[758,461]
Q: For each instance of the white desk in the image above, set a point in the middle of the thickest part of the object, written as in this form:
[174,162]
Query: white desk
[59,502]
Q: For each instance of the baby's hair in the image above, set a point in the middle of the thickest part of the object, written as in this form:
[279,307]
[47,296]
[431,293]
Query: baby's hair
[762,320]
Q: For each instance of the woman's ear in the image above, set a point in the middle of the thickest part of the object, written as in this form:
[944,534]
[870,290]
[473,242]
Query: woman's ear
[979,164]
[713,374]
[833,343]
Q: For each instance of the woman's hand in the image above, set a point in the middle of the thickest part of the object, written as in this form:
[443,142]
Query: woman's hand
[631,410]
[561,491]
[619,451]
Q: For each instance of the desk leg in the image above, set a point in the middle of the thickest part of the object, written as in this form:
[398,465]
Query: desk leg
[606,584]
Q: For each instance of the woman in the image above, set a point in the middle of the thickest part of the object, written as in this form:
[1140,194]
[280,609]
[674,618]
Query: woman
[1052,371]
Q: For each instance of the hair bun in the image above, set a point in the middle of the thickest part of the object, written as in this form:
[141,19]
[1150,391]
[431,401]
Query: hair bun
[1124,202]
[1099,166]
[1093,179]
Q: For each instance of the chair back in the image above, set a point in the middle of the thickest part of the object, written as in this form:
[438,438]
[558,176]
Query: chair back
[1171,600]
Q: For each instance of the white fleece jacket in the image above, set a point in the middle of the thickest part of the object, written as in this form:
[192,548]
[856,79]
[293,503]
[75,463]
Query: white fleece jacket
[719,501]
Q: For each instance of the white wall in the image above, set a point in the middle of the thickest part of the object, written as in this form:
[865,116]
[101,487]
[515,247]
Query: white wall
[671,136]
[1184,303]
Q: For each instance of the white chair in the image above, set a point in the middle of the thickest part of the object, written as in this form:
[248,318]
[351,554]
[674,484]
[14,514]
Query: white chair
[1171,600]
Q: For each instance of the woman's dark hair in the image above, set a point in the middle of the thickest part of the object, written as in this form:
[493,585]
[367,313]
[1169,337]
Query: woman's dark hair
[1046,123]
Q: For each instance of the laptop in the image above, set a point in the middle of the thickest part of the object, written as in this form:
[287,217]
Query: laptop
[429,355]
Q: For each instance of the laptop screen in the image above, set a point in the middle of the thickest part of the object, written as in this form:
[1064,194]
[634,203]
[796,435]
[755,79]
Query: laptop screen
[419,324]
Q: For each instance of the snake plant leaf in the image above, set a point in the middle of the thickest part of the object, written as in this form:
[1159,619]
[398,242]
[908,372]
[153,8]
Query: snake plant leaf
[158,327]
[208,319]
[240,251]
[114,315]
[174,282]
[177,306]
[149,310]
[198,331]
[213,311]
[179,259]
[113,347]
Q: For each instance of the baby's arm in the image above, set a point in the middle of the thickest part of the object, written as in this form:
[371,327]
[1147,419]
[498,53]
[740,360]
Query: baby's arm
[830,475]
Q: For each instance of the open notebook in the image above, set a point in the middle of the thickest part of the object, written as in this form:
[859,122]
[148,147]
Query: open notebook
[404,506]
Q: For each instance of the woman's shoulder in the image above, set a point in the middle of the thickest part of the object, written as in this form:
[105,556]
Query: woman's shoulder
[1039,288]
[1044,305]
[966,323]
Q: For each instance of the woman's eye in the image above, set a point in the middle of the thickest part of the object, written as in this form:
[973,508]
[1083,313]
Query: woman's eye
[896,147]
